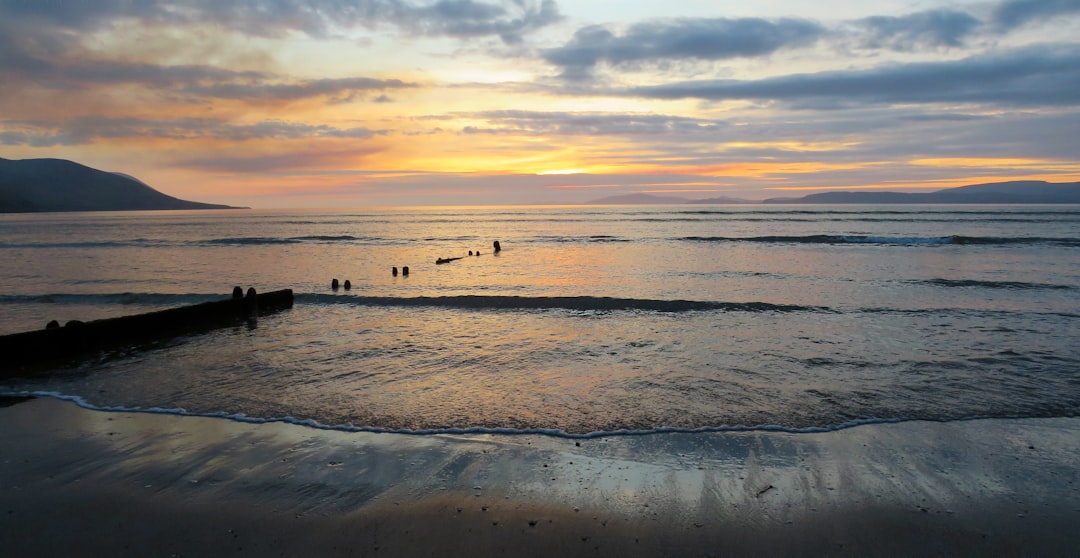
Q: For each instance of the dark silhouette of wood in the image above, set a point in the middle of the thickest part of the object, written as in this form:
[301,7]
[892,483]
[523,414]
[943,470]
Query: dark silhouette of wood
[34,351]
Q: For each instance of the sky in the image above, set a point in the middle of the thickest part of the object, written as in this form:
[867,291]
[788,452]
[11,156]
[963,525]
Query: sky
[354,103]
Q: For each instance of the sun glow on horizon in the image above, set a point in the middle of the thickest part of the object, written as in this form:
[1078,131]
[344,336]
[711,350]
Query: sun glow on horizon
[529,101]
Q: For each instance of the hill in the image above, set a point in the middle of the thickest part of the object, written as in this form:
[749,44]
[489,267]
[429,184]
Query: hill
[41,185]
[1018,192]
[1026,191]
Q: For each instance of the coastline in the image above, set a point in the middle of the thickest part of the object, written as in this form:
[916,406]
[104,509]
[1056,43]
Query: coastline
[75,481]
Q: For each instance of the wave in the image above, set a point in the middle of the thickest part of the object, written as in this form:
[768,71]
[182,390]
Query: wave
[540,303]
[137,242]
[581,303]
[888,240]
[606,304]
[954,240]
[573,239]
[508,431]
[132,299]
[1015,240]
[475,430]
[228,241]
[960,312]
[256,240]
[1018,285]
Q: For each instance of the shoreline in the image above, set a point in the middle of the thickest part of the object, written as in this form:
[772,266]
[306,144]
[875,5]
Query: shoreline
[81,481]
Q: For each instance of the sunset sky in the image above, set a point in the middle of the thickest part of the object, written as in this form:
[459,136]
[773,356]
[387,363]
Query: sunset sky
[331,103]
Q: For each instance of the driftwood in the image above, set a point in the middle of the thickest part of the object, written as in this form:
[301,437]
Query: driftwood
[24,352]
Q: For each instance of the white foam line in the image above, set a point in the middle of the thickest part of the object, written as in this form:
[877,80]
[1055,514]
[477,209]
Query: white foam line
[556,433]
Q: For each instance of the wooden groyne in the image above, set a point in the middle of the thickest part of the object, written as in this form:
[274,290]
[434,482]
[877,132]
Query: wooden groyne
[23,352]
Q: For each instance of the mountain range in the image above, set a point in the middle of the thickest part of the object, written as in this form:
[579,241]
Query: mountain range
[41,185]
[1022,191]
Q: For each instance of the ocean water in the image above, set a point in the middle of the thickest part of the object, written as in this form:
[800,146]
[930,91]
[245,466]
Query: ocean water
[591,321]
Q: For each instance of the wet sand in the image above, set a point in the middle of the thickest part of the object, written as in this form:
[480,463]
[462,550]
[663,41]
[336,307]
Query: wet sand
[77,482]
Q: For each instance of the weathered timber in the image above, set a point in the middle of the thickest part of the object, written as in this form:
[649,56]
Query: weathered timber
[25,352]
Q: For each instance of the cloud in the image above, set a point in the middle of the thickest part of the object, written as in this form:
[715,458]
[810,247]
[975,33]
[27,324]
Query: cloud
[468,19]
[1041,75]
[537,123]
[1016,13]
[933,28]
[274,162]
[700,39]
[90,129]
[204,81]
[347,87]
[508,19]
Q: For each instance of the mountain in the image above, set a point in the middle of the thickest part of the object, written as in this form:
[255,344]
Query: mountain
[1024,191]
[1019,191]
[38,185]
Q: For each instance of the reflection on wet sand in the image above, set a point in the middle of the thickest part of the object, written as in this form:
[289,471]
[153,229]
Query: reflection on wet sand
[190,485]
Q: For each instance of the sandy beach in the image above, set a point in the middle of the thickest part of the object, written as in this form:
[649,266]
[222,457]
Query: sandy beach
[78,482]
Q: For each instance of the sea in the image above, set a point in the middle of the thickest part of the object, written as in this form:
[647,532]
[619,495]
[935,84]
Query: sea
[591,320]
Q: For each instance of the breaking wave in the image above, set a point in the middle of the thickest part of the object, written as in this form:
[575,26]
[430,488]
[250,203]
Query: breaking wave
[889,240]
[579,303]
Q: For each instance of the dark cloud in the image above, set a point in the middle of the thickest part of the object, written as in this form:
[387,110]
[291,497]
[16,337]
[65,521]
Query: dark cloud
[202,81]
[1045,75]
[934,28]
[508,19]
[1011,14]
[700,39]
[465,18]
[90,129]
[32,55]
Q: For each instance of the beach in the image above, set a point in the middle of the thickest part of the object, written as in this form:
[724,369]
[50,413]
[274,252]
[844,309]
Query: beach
[85,482]
[784,381]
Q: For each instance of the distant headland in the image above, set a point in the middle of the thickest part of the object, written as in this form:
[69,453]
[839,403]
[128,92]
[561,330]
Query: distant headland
[1015,192]
[47,185]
